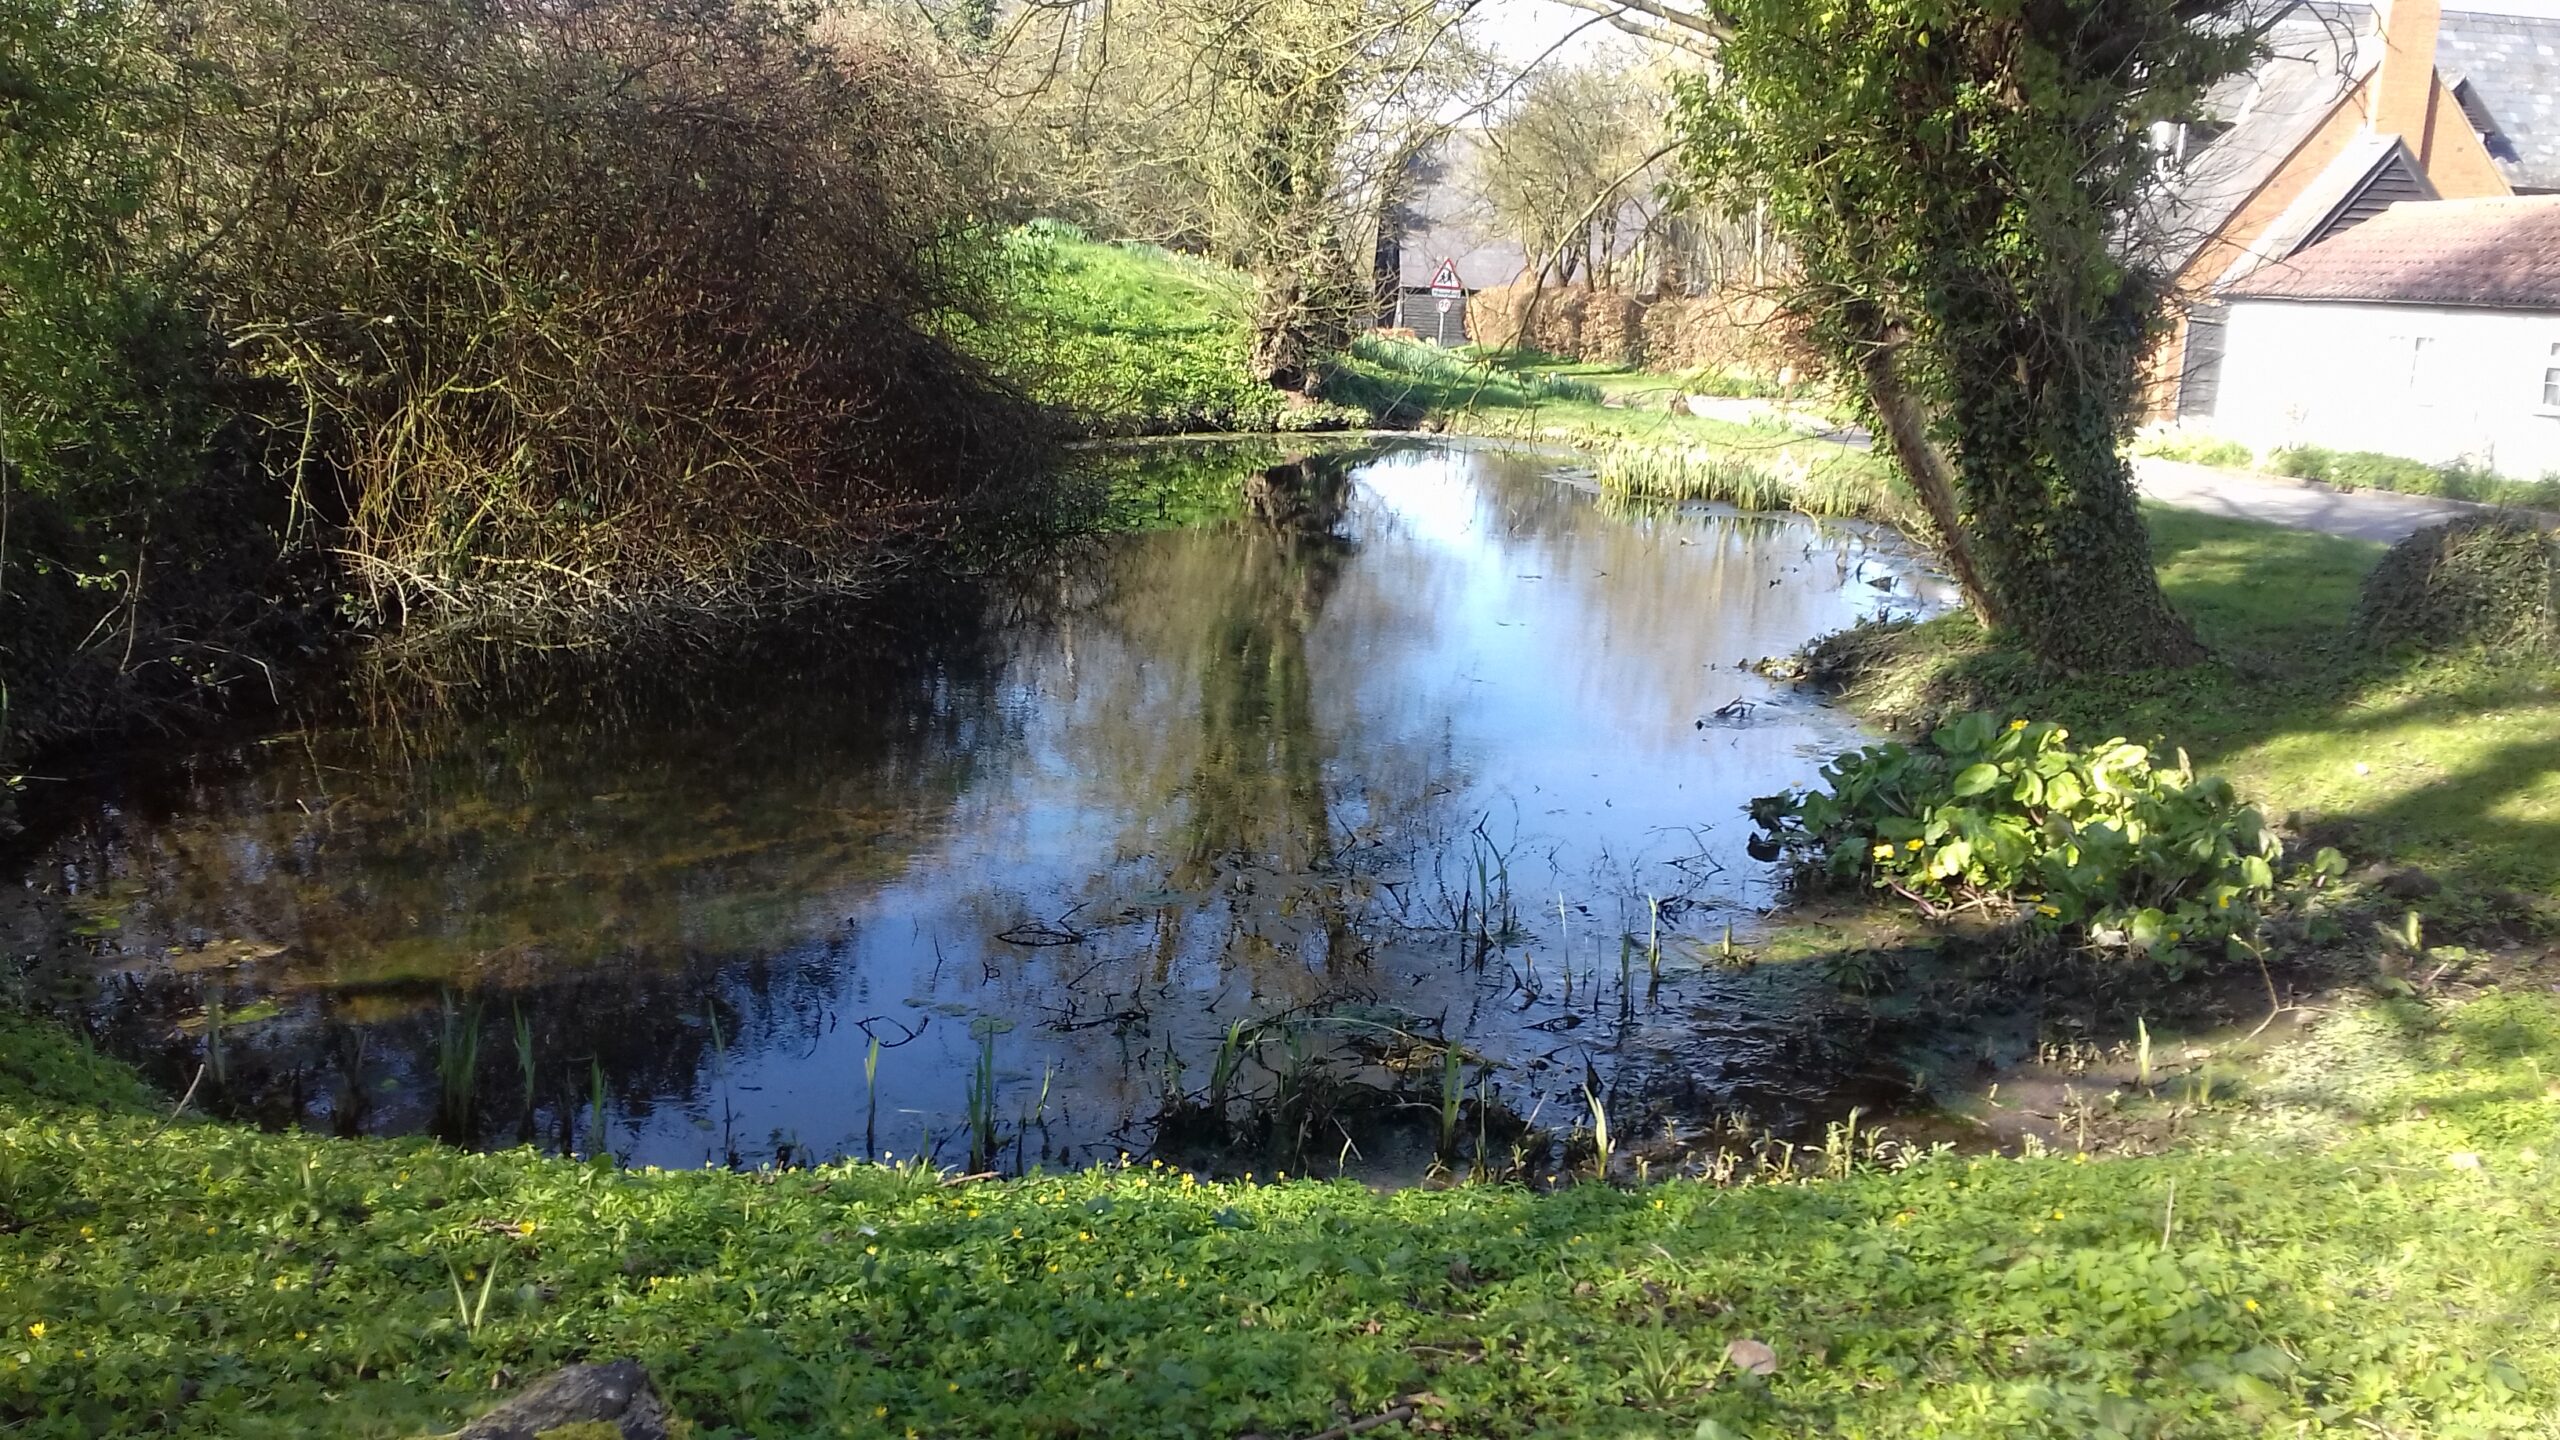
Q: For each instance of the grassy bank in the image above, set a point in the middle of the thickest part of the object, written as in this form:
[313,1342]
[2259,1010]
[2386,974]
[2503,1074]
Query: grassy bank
[2364,1247]
[1640,447]
[1135,340]
[2449,762]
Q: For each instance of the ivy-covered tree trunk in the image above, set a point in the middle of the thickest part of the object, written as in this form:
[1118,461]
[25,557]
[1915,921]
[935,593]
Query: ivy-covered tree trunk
[2048,504]
[1968,177]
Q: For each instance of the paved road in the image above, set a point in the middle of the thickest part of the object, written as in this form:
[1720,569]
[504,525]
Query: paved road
[2361,515]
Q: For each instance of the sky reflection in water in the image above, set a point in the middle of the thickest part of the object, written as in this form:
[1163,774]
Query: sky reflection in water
[1172,781]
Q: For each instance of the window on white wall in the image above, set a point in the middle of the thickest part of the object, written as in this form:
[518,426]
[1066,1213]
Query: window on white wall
[2551,377]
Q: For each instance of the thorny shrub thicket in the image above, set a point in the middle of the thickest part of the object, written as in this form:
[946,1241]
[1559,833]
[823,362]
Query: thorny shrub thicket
[489,311]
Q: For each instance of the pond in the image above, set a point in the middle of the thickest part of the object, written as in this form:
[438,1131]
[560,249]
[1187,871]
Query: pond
[1377,776]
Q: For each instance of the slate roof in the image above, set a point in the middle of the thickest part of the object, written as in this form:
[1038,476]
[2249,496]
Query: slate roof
[2329,192]
[2505,69]
[2501,253]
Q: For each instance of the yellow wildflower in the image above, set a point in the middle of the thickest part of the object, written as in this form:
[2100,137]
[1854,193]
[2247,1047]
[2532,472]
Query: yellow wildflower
[2017,724]
[1884,852]
[1915,844]
[2249,1305]
[36,1330]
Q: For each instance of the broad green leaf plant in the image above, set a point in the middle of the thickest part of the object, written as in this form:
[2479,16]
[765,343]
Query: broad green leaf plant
[2103,839]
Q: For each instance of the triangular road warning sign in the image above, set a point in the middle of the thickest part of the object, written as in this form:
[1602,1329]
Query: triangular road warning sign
[1445,281]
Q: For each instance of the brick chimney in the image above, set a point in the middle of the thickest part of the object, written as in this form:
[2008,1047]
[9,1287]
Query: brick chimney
[2404,88]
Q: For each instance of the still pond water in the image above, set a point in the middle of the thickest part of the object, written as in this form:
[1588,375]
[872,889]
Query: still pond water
[1399,746]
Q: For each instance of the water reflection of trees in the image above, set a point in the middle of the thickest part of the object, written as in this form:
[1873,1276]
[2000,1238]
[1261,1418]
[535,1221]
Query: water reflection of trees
[1204,751]
[626,863]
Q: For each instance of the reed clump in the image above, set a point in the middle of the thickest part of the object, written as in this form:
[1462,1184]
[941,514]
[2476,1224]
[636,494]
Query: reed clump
[1781,480]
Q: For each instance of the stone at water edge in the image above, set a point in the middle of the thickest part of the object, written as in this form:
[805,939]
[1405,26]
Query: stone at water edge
[597,1400]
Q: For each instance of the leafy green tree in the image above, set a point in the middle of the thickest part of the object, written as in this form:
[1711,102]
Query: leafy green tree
[1957,180]
[1270,133]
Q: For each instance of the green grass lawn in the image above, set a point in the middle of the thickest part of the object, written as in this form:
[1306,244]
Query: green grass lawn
[1132,339]
[2366,1247]
[2449,762]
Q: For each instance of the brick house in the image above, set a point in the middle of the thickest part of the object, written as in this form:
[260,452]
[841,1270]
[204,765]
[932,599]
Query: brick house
[2356,109]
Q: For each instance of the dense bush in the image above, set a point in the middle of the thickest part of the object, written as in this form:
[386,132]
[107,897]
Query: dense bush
[596,300]
[1732,330]
[2099,839]
[2483,579]
[481,308]
[124,538]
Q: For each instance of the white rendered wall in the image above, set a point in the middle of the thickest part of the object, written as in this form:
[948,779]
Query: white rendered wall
[2427,382]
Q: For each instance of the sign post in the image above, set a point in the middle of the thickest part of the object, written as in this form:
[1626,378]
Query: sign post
[1448,290]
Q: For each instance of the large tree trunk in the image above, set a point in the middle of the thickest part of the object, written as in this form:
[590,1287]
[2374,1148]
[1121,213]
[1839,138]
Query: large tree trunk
[2049,503]
[1905,425]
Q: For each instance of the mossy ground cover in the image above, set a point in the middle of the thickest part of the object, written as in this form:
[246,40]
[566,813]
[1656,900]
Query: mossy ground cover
[2368,1250]
[2448,761]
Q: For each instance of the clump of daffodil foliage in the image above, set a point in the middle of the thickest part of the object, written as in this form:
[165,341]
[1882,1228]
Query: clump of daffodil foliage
[2102,838]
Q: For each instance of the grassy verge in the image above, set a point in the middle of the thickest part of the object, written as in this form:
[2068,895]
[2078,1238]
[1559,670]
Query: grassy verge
[2367,470]
[2449,762]
[2358,470]
[2367,1249]
[1134,340]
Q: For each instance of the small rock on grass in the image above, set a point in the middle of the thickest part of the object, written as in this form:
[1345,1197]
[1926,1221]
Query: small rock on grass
[1752,1357]
[614,1401]
[2400,882]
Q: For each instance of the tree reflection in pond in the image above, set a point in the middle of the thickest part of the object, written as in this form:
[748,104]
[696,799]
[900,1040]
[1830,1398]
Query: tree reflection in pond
[1085,819]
